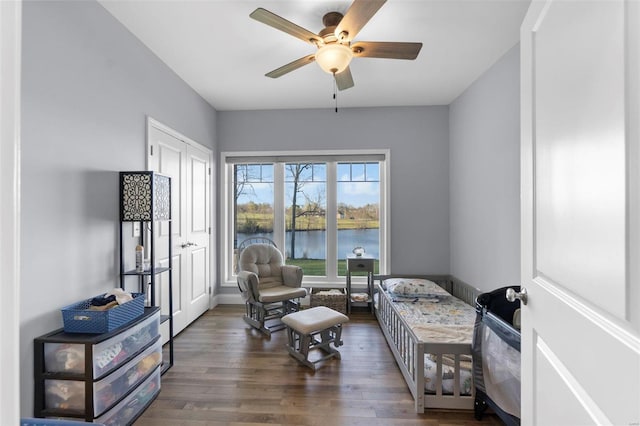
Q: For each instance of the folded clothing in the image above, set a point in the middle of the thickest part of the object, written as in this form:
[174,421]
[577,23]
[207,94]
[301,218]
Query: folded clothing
[109,305]
[360,297]
[332,292]
[103,300]
[109,300]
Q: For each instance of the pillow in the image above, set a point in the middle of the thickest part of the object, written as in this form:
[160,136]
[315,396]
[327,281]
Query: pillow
[413,287]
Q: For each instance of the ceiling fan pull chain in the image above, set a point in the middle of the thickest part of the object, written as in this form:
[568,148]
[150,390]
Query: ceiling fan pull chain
[335,92]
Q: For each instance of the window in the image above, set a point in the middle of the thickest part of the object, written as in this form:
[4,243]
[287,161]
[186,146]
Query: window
[253,201]
[316,208]
[358,211]
[305,216]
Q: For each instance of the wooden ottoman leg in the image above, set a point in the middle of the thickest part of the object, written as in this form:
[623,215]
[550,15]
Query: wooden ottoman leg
[325,344]
[301,352]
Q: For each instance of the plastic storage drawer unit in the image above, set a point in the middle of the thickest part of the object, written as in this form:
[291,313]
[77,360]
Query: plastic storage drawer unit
[86,376]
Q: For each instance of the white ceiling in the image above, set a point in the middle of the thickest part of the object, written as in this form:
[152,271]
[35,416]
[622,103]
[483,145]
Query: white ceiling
[223,54]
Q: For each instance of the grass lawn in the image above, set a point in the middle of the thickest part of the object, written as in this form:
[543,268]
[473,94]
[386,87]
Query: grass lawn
[316,267]
[264,223]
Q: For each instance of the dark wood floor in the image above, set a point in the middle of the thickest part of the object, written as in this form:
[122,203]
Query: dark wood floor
[225,373]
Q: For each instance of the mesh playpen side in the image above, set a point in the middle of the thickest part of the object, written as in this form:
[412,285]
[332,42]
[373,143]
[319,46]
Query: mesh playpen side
[496,356]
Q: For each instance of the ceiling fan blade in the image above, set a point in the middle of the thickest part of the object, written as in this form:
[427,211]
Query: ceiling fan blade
[279,23]
[344,80]
[291,66]
[386,49]
[356,17]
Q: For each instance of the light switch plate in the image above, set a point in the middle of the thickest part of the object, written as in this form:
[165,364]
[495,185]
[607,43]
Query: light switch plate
[136,229]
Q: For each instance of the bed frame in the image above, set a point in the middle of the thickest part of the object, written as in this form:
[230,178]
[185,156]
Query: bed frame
[409,352]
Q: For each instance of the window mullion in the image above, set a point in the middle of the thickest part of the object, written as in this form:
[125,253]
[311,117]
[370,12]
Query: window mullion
[385,246]
[279,228]
[230,229]
[332,222]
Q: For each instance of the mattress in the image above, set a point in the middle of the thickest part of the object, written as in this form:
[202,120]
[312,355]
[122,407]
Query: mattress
[432,313]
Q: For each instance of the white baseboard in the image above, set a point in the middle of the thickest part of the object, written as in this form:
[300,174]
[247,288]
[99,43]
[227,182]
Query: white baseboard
[236,299]
[228,299]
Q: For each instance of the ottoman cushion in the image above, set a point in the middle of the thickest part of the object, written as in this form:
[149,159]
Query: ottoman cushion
[314,319]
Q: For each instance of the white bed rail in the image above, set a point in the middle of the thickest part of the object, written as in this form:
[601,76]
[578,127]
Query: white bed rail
[409,352]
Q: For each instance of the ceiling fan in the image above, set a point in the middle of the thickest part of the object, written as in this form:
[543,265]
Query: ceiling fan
[335,42]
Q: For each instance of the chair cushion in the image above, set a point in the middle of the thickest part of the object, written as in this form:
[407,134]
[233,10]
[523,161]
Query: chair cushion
[314,319]
[265,261]
[280,293]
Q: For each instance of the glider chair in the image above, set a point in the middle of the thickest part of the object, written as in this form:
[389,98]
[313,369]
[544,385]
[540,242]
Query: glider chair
[270,288]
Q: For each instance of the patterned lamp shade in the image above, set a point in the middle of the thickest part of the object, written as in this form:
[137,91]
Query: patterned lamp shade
[144,196]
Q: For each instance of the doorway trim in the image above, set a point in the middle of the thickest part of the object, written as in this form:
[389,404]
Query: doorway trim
[10,65]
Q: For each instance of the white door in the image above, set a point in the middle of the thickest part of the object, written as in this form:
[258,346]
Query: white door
[581,213]
[188,165]
[198,231]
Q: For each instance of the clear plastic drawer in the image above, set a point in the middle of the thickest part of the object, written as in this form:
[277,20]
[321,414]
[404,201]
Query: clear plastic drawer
[130,407]
[64,358]
[114,386]
[107,355]
[64,395]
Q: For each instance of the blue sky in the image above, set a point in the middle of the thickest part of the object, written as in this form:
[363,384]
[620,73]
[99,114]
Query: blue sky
[358,184]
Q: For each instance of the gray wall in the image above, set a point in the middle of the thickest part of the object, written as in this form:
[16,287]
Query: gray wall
[484,131]
[87,87]
[418,140]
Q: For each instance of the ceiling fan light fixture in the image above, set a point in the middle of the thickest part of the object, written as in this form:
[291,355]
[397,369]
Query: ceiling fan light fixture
[334,58]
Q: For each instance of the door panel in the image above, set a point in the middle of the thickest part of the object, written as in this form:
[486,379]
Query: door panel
[170,162]
[580,151]
[199,198]
[163,286]
[549,377]
[580,344]
[199,273]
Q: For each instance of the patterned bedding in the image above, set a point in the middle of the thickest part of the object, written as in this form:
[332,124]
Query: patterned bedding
[435,316]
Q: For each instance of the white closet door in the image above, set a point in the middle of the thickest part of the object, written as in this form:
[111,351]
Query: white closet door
[188,165]
[198,232]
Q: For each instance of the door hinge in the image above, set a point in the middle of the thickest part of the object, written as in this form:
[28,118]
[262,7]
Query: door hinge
[151,150]
[209,171]
[209,289]
[209,230]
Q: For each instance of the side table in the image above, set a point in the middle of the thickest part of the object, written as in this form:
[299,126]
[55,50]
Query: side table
[360,264]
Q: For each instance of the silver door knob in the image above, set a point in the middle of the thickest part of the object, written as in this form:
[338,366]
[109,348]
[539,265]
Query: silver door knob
[512,295]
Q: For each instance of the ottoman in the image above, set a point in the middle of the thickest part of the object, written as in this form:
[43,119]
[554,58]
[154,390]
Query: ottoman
[303,328]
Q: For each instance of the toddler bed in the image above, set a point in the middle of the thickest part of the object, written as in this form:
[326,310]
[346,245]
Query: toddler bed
[428,322]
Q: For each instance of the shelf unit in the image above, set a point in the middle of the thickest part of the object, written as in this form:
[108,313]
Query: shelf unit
[360,264]
[109,378]
[145,198]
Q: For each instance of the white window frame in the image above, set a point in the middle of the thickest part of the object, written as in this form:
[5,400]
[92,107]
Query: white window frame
[226,178]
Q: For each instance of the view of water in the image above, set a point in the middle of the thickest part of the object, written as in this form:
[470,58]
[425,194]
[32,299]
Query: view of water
[311,244]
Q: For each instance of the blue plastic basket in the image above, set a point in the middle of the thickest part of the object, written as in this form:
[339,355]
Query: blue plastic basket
[78,318]
[52,422]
